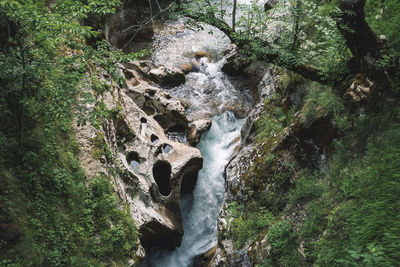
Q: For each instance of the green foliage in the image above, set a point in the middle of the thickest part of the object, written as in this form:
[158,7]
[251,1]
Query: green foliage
[114,227]
[283,243]
[369,219]
[267,125]
[247,224]
[384,18]
[307,188]
[50,216]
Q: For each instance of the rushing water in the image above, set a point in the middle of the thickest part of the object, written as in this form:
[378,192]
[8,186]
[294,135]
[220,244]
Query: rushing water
[207,90]
[209,94]
[200,209]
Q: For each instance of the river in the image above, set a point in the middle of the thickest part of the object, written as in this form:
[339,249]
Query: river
[209,94]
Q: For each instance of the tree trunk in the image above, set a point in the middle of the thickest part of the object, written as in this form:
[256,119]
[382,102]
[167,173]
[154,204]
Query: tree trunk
[361,40]
[234,15]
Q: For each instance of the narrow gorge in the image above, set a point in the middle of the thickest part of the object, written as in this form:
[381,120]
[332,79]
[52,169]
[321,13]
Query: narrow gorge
[199,133]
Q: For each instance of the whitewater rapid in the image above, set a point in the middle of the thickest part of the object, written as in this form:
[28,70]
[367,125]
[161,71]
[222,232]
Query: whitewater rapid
[209,94]
[200,209]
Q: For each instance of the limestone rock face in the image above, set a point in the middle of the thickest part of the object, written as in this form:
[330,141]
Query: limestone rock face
[159,165]
[155,102]
[149,172]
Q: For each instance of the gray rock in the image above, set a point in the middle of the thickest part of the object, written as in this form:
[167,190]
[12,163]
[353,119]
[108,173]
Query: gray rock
[166,75]
[120,27]
[234,62]
[160,74]
[196,129]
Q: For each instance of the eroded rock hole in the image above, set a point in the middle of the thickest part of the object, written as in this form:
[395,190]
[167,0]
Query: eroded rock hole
[166,148]
[189,181]
[155,234]
[150,111]
[162,174]
[177,133]
[151,93]
[154,139]
[134,161]
[164,122]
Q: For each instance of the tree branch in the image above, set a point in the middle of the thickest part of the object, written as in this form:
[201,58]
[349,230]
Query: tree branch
[307,71]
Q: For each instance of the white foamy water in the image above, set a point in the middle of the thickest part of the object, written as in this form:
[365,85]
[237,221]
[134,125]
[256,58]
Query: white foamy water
[200,210]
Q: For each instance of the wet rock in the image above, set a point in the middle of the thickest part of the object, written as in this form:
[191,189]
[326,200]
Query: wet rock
[240,110]
[160,105]
[200,54]
[186,68]
[196,129]
[189,67]
[159,74]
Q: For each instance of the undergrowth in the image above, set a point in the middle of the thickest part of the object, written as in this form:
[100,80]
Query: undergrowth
[350,202]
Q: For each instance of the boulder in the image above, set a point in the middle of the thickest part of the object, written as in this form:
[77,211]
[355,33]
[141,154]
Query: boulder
[170,76]
[234,62]
[189,67]
[159,74]
[196,129]
[186,68]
